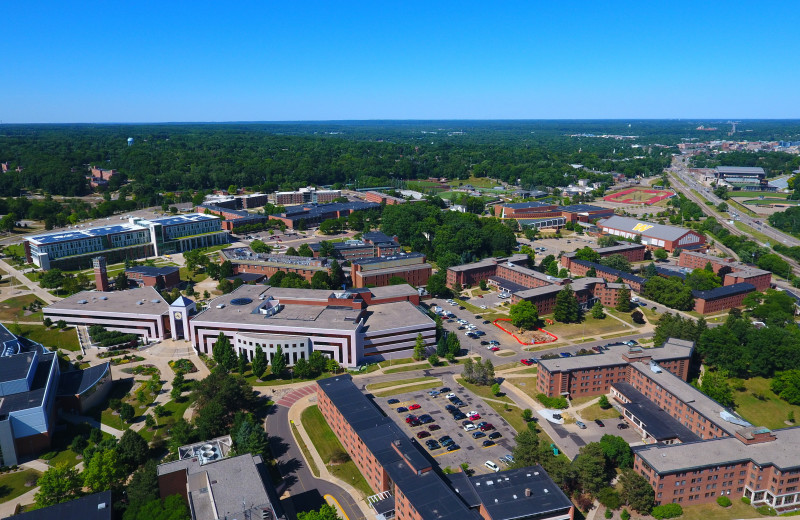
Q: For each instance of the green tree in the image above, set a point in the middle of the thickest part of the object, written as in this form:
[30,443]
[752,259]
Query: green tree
[715,385]
[103,471]
[468,373]
[241,363]
[702,280]
[433,359]
[143,487]
[326,512]
[524,315]
[591,468]
[337,274]
[326,249]
[617,451]
[291,251]
[603,402]
[259,364]
[60,483]
[496,389]
[587,254]
[278,362]
[567,309]
[623,300]
[305,250]
[660,254]
[527,415]
[126,412]
[419,348]
[223,353]
[597,310]
[617,261]
[132,449]
[606,241]
[437,285]
[258,246]
[636,491]
[172,507]
[526,450]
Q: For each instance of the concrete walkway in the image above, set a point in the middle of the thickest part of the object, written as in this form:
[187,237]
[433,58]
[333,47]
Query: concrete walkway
[32,286]
[295,413]
[82,419]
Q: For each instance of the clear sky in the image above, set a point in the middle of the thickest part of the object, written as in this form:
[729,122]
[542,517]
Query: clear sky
[147,61]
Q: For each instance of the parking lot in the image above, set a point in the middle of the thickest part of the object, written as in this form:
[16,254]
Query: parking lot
[572,438]
[471,449]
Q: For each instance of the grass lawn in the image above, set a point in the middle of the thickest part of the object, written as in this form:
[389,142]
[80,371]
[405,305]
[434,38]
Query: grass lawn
[483,391]
[526,384]
[393,362]
[199,277]
[478,182]
[306,453]
[578,401]
[327,445]
[66,339]
[589,327]
[407,389]
[761,237]
[174,411]
[511,413]
[624,316]
[771,412]
[13,485]
[590,413]
[11,309]
[506,366]
[506,353]
[706,511]
[407,368]
[471,308]
[389,384]
[756,194]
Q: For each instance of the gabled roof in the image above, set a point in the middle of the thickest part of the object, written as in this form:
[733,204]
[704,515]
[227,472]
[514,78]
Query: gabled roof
[641,227]
[181,301]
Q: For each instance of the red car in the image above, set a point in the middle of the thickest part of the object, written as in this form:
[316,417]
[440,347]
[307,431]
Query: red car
[494,349]
[486,427]
[414,406]
[526,362]
[411,418]
[474,417]
[434,427]
[423,434]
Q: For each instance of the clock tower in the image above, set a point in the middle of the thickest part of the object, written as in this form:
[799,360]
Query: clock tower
[180,312]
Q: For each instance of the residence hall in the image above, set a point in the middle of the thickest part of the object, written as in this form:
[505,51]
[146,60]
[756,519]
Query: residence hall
[309,195]
[216,485]
[90,507]
[379,271]
[131,240]
[312,215]
[32,388]
[232,218]
[352,327]
[730,270]
[244,260]
[587,291]
[382,198]
[594,374]
[631,252]
[582,268]
[722,298]
[403,477]
[653,235]
[546,210]
[371,245]
[467,275]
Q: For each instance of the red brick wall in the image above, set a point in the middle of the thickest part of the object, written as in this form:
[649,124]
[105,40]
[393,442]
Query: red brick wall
[470,276]
[271,270]
[415,275]
[718,304]
[524,279]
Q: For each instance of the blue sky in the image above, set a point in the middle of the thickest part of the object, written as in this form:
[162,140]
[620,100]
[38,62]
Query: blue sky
[269,61]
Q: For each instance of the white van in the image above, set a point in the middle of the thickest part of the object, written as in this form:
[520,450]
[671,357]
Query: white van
[492,466]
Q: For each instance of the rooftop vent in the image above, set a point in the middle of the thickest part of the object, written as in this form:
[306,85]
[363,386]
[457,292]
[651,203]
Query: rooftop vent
[139,303]
[528,492]
[546,490]
[101,505]
[104,297]
[154,300]
[82,302]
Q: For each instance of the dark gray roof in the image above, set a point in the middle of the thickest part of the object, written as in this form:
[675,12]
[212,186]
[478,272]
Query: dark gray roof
[91,507]
[247,277]
[35,394]
[312,211]
[16,366]
[503,494]
[378,238]
[152,271]
[725,290]
[667,272]
[628,277]
[76,382]
[508,285]
[656,421]
[740,170]
[524,205]
[378,259]
[578,208]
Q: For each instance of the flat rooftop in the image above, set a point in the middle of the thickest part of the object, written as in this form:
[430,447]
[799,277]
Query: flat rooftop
[655,420]
[379,259]
[143,300]
[649,229]
[781,453]
[80,234]
[91,507]
[35,395]
[183,219]
[504,494]
[724,291]
[671,349]
[486,262]
[148,270]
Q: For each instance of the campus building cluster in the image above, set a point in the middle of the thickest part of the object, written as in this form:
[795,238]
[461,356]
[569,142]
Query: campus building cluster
[309,195]
[545,215]
[33,388]
[694,449]
[652,235]
[741,177]
[403,478]
[136,238]
[382,198]
[161,278]
[372,244]
[244,260]
[310,215]
[231,218]
[379,271]
[350,326]
[215,484]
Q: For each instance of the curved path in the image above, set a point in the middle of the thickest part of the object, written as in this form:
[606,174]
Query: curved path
[301,491]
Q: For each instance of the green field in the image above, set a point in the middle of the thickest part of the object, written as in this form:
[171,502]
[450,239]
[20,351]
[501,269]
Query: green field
[328,446]
[483,391]
[589,327]
[526,384]
[771,412]
[389,384]
[706,511]
[409,389]
[761,237]
[312,465]
[590,413]
[13,485]
[407,368]
[51,338]
[756,194]
[11,309]
[478,182]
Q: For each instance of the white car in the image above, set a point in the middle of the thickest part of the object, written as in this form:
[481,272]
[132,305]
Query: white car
[483,306]
[492,466]
[470,427]
[450,395]
[473,412]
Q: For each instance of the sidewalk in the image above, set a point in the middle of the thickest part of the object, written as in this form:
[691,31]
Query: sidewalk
[294,417]
[82,419]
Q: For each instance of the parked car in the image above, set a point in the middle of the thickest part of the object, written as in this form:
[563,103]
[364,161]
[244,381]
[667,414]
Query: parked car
[451,408]
[453,447]
[597,348]
[410,418]
[393,401]
[488,443]
[425,419]
[414,423]
[433,393]
[494,349]
[402,409]
[444,389]
[486,322]
[450,395]
[631,343]
[414,406]
[526,362]
[599,423]
[484,342]
[444,439]
[434,427]
[474,417]
[478,435]
[622,426]
[565,354]
[580,425]
[433,445]
[423,434]
[487,427]
[495,435]
[492,466]
[470,427]
[459,416]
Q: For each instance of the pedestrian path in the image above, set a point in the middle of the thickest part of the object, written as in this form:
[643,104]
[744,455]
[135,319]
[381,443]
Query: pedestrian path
[295,395]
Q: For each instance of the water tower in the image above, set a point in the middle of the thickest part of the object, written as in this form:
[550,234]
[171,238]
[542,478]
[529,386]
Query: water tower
[130,141]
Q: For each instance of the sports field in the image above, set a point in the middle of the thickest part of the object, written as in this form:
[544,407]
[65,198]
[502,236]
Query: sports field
[639,196]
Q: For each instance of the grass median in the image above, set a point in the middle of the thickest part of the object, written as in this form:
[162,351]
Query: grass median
[389,384]
[408,389]
[408,368]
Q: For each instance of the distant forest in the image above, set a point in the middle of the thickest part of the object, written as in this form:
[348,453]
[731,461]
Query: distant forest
[191,157]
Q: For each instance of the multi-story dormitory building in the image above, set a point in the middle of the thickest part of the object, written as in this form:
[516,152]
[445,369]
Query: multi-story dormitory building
[632,252]
[587,292]
[137,238]
[232,218]
[410,486]
[695,450]
[244,260]
[378,271]
[471,274]
[371,245]
[582,267]
[732,272]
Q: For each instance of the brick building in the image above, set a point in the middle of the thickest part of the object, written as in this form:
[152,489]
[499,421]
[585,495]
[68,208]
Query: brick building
[730,270]
[232,218]
[721,298]
[376,272]
[587,292]
[310,215]
[382,198]
[244,260]
[470,274]
[309,195]
[581,267]
[397,468]
[653,235]
[594,374]
[632,252]
[159,277]
[544,210]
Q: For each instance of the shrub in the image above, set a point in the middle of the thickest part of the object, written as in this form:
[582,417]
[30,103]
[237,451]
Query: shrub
[552,402]
[609,514]
[745,500]
[603,402]
[667,511]
[49,455]
[762,510]
[609,497]
[625,515]
[724,501]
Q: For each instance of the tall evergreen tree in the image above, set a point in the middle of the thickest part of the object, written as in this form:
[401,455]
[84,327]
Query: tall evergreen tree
[278,362]
[223,352]
[419,348]
[623,300]
[337,275]
[567,309]
[259,364]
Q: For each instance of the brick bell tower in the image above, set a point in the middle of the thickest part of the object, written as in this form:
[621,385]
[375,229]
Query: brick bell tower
[100,274]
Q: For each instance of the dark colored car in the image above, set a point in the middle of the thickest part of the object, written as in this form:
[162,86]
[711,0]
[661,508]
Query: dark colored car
[622,426]
[486,322]
[451,408]
[426,419]
[484,342]
[434,427]
[597,348]
[410,417]
[460,416]
[402,409]
[486,444]
[478,435]
[453,447]
[414,423]
[423,434]
[526,362]
[478,317]
[495,435]
[565,354]
[432,444]
[464,423]
[393,401]
[599,423]
[444,390]
[486,427]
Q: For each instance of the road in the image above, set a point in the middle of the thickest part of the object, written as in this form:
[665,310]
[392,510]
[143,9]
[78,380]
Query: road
[32,286]
[305,491]
[680,169]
